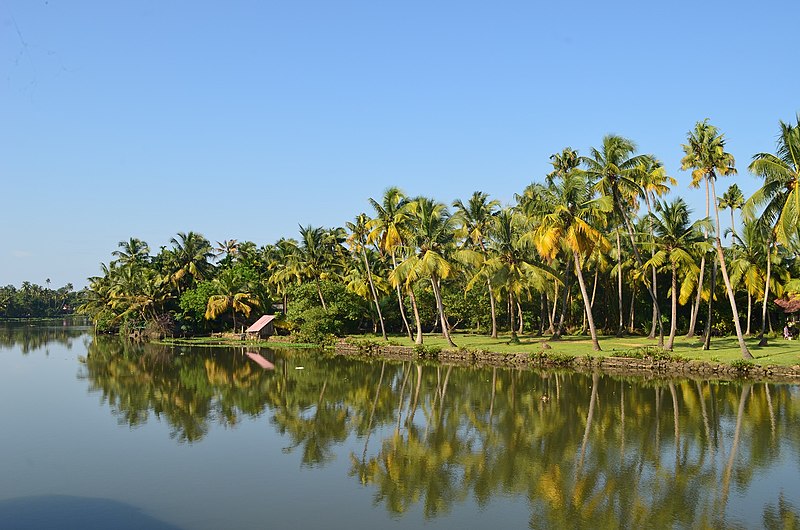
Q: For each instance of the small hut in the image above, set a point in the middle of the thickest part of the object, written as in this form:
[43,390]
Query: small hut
[262,328]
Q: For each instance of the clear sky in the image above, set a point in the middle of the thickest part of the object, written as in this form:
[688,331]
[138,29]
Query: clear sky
[244,119]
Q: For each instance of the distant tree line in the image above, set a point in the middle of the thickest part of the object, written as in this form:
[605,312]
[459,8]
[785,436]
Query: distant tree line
[34,301]
[592,248]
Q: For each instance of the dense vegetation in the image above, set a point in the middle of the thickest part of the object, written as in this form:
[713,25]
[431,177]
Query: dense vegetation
[593,249]
[34,301]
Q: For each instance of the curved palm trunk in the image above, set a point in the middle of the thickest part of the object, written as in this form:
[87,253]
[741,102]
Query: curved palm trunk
[639,263]
[745,352]
[673,327]
[586,304]
[763,335]
[374,293]
[652,333]
[440,307]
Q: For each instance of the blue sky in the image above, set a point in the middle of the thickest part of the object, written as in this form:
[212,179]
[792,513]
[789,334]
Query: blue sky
[244,119]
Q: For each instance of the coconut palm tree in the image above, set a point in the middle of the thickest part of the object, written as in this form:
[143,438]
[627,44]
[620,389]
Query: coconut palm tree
[233,294]
[281,261]
[655,183]
[190,256]
[780,196]
[570,223]
[706,156]
[510,266]
[749,263]
[615,170]
[134,253]
[317,256]
[734,200]
[386,230]
[676,242]
[476,221]
[432,235]
[357,241]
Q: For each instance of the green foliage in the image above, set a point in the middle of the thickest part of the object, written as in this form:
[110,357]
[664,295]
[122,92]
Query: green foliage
[193,304]
[427,352]
[34,301]
[651,352]
[742,365]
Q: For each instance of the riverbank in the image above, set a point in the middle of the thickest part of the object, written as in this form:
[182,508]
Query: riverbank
[779,361]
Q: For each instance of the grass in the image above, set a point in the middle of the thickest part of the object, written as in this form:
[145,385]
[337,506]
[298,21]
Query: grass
[230,341]
[723,349]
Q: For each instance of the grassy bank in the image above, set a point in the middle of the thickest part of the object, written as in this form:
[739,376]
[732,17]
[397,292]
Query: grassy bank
[232,341]
[779,352]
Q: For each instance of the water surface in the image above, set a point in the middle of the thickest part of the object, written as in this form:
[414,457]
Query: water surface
[202,438]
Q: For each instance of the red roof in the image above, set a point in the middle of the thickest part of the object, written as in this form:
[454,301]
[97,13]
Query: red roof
[260,323]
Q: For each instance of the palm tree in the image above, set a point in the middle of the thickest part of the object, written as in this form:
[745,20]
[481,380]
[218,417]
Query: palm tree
[734,200]
[655,183]
[432,236]
[386,229]
[706,156]
[135,252]
[233,294]
[190,255]
[476,221]
[781,196]
[317,255]
[227,248]
[571,223]
[357,240]
[615,170]
[748,263]
[676,242]
[281,261]
[510,265]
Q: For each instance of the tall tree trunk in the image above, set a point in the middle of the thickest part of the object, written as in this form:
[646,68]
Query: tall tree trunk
[749,311]
[415,309]
[519,317]
[374,293]
[673,327]
[552,314]
[621,328]
[543,310]
[698,298]
[632,316]
[738,325]
[440,306]
[511,306]
[586,304]
[321,298]
[400,300]
[652,333]
[493,309]
[710,319]
[564,296]
[491,299]
[762,337]
[639,264]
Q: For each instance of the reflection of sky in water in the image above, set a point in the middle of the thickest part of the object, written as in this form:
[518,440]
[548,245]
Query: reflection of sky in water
[60,439]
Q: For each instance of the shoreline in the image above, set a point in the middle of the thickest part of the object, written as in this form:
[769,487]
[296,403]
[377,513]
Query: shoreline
[634,366]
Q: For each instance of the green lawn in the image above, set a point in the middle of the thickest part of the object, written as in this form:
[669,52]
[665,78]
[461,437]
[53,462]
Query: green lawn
[723,349]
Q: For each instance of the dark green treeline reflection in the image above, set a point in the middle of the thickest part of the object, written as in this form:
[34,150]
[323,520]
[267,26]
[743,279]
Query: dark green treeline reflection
[29,337]
[582,449]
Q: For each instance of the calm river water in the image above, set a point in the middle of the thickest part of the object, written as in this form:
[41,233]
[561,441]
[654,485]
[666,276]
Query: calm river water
[97,433]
